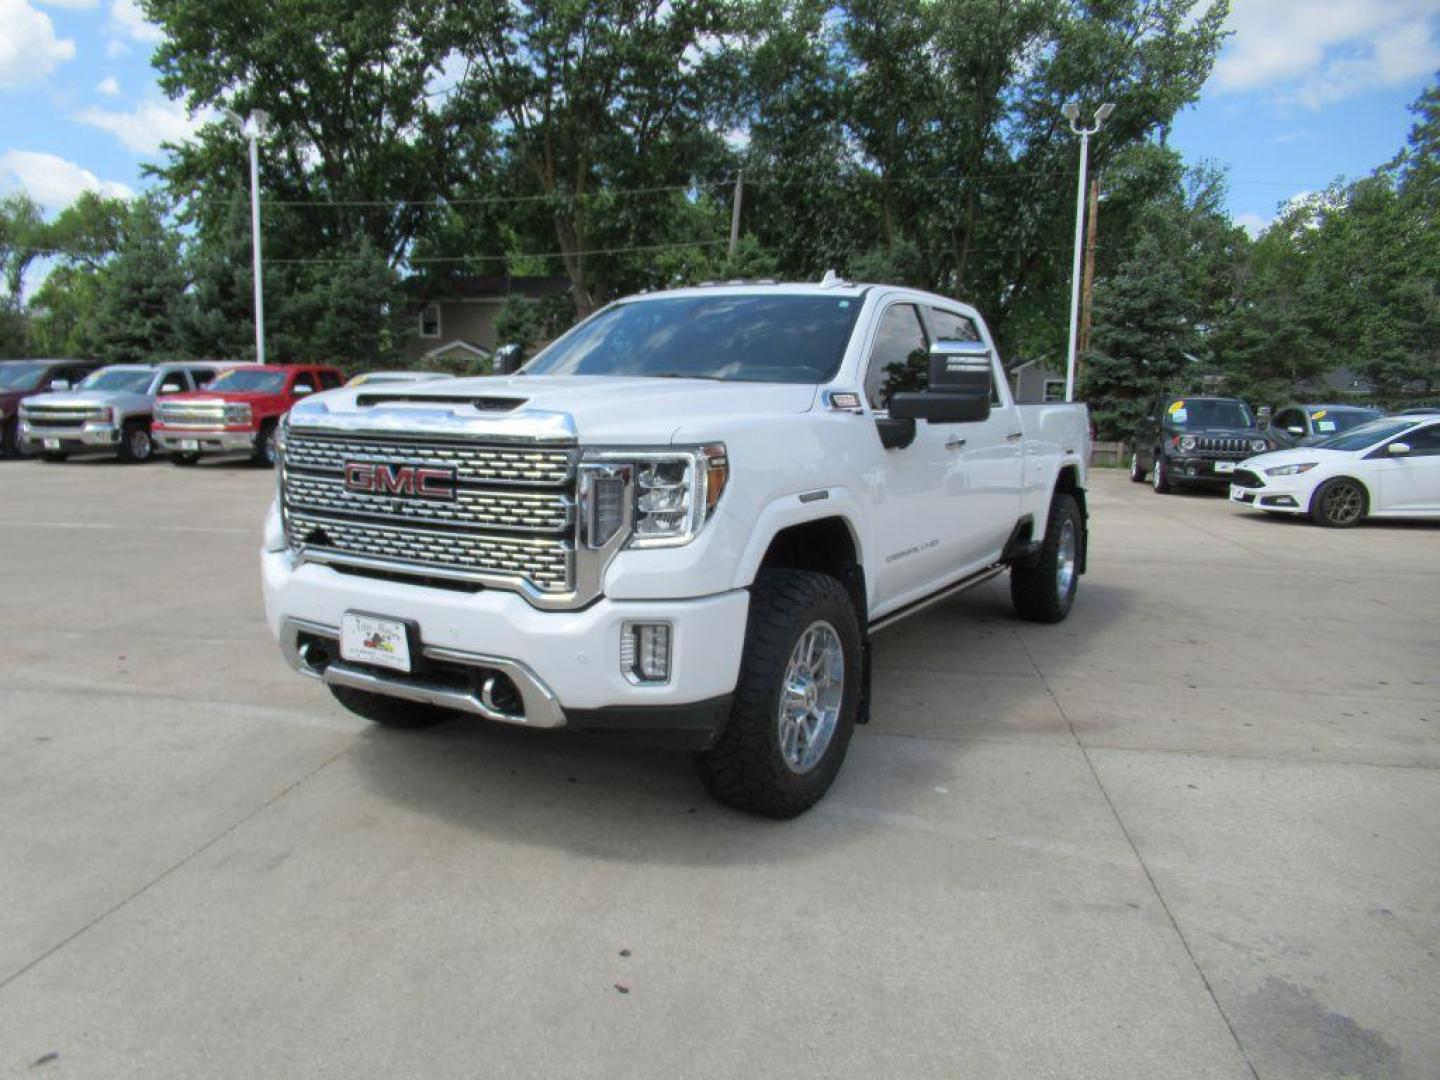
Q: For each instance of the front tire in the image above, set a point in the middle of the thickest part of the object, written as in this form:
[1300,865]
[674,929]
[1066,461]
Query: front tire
[388,711]
[1044,590]
[1137,474]
[263,456]
[136,446]
[1160,475]
[1339,503]
[10,445]
[796,699]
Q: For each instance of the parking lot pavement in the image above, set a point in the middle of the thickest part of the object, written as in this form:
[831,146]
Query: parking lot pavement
[1188,833]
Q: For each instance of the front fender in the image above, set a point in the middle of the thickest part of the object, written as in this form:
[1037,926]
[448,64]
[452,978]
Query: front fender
[797,509]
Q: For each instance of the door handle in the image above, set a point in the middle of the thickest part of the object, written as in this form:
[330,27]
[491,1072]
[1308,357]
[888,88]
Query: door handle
[955,442]
[1015,435]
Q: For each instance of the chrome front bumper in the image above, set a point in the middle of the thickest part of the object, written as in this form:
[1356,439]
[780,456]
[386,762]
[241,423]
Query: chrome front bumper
[313,649]
[207,441]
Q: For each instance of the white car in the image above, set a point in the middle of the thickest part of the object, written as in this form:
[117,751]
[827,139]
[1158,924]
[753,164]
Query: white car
[1387,468]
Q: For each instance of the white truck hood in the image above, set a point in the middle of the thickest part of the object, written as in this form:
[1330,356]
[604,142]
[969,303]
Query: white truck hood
[598,410]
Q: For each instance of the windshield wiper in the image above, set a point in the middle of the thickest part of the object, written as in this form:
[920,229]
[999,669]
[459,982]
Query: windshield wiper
[681,375]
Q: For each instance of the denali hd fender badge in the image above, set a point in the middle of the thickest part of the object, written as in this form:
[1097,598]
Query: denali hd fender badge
[410,481]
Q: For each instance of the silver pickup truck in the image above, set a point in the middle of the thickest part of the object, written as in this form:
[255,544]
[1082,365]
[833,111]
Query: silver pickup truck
[109,412]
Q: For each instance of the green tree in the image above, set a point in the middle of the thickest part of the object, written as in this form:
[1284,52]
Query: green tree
[140,296]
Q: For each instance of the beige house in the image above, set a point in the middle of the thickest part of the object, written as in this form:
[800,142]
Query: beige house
[454,319]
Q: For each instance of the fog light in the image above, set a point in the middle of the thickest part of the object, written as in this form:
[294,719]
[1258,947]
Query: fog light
[645,652]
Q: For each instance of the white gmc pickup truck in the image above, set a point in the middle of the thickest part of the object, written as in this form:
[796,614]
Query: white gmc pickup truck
[682,521]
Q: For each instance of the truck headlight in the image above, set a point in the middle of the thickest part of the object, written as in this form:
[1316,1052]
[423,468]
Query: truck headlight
[674,493]
[238,413]
[1187,442]
[1259,445]
[1291,470]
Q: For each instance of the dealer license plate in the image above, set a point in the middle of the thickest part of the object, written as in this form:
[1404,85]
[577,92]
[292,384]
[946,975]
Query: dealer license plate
[189,444]
[369,640]
[52,444]
[1224,466]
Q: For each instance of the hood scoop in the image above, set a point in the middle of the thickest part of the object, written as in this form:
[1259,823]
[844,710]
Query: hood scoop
[480,403]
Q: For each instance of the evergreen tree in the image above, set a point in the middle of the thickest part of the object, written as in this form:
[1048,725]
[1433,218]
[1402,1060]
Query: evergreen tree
[141,295]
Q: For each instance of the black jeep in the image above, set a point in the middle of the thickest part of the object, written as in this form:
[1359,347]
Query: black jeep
[1194,440]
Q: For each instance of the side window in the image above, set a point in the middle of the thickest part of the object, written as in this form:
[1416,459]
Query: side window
[172,381]
[951,327]
[1425,442]
[329,380]
[202,376]
[304,383]
[899,357]
[1288,419]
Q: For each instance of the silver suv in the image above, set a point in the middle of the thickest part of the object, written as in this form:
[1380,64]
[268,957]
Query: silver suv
[109,412]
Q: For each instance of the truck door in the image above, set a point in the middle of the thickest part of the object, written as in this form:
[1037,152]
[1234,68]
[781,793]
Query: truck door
[987,467]
[914,515]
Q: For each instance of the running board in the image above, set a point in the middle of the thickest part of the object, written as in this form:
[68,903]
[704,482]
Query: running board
[978,578]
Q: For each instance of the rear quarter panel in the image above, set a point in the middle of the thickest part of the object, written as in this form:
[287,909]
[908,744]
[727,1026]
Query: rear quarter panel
[1057,436]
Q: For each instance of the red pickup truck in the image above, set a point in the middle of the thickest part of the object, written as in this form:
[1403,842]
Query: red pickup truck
[237,412]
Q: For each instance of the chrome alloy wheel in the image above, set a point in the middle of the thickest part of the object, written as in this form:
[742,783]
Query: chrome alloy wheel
[1065,560]
[140,445]
[810,697]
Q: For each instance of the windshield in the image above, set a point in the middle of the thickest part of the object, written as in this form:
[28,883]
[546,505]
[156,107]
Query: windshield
[248,382]
[779,339]
[1367,435]
[1191,414]
[20,376]
[134,380]
[1333,421]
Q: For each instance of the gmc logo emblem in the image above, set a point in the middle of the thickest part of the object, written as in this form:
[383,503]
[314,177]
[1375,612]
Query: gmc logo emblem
[411,481]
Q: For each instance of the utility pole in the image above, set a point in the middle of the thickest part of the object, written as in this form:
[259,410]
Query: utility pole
[1087,287]
[1072,114]
[253,129]
[735,211]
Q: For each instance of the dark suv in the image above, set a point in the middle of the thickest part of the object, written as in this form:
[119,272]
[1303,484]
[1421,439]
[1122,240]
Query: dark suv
[20,379]
[1194,440]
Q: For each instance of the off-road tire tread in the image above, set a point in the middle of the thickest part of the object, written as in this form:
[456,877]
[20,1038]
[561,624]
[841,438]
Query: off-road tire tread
[743,768]
[388,711]
[1032,586]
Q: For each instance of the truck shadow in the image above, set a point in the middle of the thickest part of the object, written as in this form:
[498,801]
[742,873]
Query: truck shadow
[581,794]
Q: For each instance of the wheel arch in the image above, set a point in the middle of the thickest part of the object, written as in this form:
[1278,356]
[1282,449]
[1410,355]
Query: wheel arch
[1365,492]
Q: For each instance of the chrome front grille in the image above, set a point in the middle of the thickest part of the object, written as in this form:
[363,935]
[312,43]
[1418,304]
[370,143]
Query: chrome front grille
[510,510]
[177,412]
[59,416]
[511,521]
[547,564]
[518,464]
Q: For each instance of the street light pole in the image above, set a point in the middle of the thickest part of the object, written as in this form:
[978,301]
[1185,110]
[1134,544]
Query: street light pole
[253,128]
[1072,114]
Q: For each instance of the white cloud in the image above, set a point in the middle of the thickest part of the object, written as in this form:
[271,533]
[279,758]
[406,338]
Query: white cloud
[109,86]
[115,48]
[53,181]
[1315,52]
[1254,224]
[127,18]
[29,49]
[143,128]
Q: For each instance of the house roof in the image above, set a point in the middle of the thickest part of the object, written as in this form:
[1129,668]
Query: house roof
[460,345]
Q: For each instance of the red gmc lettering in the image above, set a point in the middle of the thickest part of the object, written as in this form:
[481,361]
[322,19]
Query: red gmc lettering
[414,481]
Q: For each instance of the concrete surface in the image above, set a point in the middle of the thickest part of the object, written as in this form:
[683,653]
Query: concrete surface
[1191,832]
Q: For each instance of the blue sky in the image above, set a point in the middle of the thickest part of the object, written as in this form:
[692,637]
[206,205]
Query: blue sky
[1305,91]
